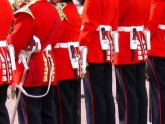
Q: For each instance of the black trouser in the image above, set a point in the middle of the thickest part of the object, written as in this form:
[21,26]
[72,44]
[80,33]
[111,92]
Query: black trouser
[100,82]
[21,113]
[88,99]
[68,101]
[57,104]
[38,110]
[131,94]
[157,89]
[4,117]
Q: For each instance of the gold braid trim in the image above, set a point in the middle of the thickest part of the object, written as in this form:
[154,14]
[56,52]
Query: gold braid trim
[25,9]
[60,7]
[45,78]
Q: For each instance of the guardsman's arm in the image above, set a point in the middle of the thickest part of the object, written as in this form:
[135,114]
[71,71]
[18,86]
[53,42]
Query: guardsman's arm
[156,12]
[6,16]
[22,33]
[89,23]
[62,23]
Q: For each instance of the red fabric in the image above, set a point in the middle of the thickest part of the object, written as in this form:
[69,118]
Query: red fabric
[95,13]
[157,16]
[25,27]
[131,13]
[6,16]
[69,33]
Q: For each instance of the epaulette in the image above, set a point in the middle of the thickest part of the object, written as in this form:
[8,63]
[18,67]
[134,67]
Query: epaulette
[25,9]
[60,6]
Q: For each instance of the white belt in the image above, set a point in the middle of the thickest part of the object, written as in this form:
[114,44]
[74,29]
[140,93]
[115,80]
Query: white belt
[3,43]
[65,45]
[161,27]
[129,29]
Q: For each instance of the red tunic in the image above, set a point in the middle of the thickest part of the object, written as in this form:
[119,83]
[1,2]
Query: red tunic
[6,16]
[69,33]
[38,19]
[157,18]
[95,13]
[131,13]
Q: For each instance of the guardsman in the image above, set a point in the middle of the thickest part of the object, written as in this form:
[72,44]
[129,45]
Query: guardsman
[156,63]
[99,21]
[6,16]
[66,53]
[21,117]
[130,61]
[34,27]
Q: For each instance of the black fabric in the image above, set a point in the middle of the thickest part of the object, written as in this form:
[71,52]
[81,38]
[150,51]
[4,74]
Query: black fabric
[4,117]
[40,110]
[66,1]
[131,94]
[57,105]
[21,111]
[100,81]
[156,67]
[69,101]
[81,2]
[88,99]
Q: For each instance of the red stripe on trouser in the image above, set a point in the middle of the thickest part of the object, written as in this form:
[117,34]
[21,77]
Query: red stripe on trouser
[59,99]
[93,116]
[125,95]
[24,107]
[159,97]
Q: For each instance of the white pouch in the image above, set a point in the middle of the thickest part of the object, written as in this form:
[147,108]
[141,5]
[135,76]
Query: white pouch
[105,44]
[133,39]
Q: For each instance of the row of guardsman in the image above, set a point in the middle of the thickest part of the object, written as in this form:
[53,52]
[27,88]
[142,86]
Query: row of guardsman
[51,48]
